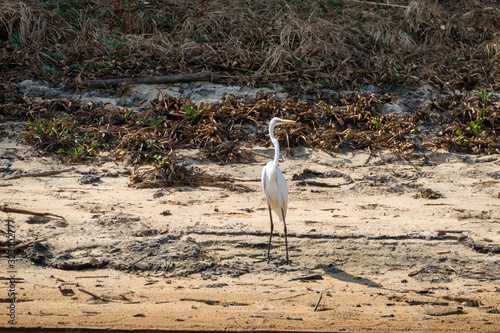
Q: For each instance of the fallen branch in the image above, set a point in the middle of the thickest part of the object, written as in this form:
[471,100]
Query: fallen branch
[18,280]
[150,252]
[40,174]
[416,272]
[6,209]
[378,4]
[319,300]
[23,245]
[320,184]
[92,277]
[211,76]
[94,295]
[288,297]
[137,261]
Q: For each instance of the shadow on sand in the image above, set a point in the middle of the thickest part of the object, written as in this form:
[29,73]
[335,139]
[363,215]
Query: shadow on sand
[339,274]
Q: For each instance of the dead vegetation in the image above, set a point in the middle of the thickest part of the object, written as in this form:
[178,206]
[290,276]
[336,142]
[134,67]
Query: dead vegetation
[305,46]
[219,131]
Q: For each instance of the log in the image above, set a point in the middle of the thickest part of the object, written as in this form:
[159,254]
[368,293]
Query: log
[7,209]
[40,174]
[21,246]
[103,83]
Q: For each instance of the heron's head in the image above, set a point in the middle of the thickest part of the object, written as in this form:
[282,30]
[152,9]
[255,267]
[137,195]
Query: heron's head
[278,121]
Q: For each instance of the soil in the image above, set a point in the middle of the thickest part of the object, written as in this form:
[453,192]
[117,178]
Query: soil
[375,243]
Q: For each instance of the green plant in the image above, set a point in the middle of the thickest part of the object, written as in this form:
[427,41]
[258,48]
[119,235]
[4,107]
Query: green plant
[128,112]
[15,40]
[80,65]
[37,126]
[105,65]
[192,114]
[165,160]
[151,144]
[93,149]
[475,126]
[462,139]
[78,152]
[157,121]
[376,124]
[162,20]
[485,96]
[115,44]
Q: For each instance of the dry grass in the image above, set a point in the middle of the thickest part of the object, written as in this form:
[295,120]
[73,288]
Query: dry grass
[28,28]
[305,44]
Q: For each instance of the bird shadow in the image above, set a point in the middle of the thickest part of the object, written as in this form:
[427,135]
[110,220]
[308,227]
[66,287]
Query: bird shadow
[341,275]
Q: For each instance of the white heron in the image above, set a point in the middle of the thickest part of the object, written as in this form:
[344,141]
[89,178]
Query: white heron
[274,185]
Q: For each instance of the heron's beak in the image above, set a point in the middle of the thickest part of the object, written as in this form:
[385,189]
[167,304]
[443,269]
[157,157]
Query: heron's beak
[285,121]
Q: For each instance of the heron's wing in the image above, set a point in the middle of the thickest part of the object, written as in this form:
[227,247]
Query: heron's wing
[283,190]
[264,178]
[267,183]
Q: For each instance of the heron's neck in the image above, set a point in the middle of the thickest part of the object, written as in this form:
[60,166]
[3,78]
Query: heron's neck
[276,148]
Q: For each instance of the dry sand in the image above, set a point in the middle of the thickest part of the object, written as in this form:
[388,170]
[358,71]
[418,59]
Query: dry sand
[368,248]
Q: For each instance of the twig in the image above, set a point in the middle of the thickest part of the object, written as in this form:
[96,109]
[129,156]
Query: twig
[138,261]
[319,300]
[6,209]
[92,277]
[40,174]
[489,182]
[22,246]
[94,295]
[288,297]
[150,252]
[416,272]
[379,4]
[9,278]
[151,80]
[320,184]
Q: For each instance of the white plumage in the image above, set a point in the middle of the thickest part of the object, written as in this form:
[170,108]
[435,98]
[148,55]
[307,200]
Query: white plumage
[275,187]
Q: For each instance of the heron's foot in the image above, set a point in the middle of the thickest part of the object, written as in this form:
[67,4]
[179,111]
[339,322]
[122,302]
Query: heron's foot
[284,262]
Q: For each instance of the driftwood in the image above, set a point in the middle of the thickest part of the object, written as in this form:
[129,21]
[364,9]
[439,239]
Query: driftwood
[22,246]
[416,272]
[94,295]
[40,174]
[319,300]
[320,184]
[211,76]
[6,209]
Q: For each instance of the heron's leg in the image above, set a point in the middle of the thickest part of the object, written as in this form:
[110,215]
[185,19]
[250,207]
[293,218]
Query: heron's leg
[286,241]
[270,235]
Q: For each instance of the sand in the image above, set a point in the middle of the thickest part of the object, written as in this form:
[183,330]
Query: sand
[376,244]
